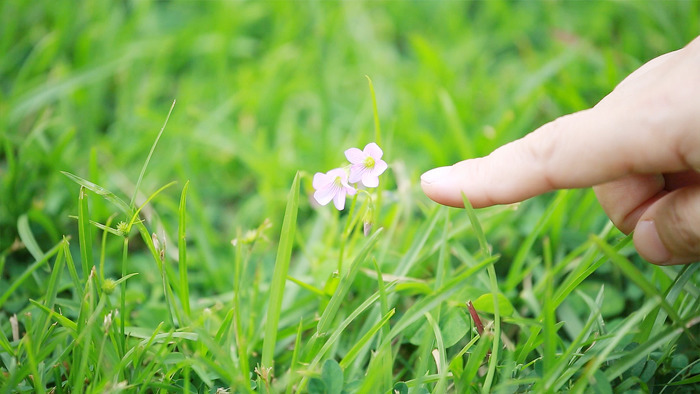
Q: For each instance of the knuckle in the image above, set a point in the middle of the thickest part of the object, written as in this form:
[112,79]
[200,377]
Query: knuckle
[543,148]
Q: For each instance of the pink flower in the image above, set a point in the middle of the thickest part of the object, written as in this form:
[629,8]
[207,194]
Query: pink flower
[367,164]
[332,185]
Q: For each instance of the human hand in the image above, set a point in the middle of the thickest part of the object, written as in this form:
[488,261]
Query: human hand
[639,148]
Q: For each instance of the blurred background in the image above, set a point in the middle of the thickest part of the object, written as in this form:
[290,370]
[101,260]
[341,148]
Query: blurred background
[266,89]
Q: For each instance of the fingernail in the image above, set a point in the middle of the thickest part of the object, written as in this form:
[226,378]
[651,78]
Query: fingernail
[435,175]
[648,243]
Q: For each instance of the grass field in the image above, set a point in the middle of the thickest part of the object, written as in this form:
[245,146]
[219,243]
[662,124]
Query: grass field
[190,257]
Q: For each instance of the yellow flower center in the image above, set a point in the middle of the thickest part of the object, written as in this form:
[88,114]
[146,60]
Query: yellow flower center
[369,162]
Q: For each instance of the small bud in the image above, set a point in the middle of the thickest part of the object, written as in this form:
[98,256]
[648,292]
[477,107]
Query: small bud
[108,286]
[123,229]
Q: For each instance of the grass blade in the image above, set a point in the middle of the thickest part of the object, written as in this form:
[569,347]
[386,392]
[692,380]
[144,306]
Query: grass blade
[148,159]
[279,276]
[441,359]
[27,237]
[485,251]
[84,233]
[515,270]
[637,277]
[431,301]
[377,127]
[339,296]
[27,272]
[182,251]
[101,191]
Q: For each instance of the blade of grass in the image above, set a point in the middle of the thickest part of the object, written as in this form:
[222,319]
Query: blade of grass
[656,319]
[135,215]
[554,373]
[182,252]
[51,290]
[338,297]
[624,329]
[493,283]
[641,352]
[27,237]
[377,126]
[279,276]
[411,257]
[441,359]
[333,337]
[429,302]
[17,282]
[579,275]
[84,233]
[364,340]
[148,158]
[383,300]
[101,191]
[103,247]
[72,271]
[35,377]
[239,332]
[637,277]
[548,312]
[514,273]
[295,359]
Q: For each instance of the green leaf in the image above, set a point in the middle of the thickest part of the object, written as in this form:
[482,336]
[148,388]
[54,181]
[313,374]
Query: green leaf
[332,376]
[454,326]
[485,304]
[317,386]
[400,388]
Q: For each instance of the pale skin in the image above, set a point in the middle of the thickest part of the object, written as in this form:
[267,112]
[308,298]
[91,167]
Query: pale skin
[639,148]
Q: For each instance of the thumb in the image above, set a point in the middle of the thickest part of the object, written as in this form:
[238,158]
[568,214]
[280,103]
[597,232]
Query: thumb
[669,231]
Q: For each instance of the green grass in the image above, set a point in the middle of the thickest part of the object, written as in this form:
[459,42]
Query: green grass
[117,266]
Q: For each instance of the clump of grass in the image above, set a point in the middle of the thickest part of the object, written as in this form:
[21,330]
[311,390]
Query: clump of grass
[146,292]
[353,332]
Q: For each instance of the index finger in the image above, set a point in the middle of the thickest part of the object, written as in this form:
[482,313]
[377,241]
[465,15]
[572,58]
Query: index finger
[578,150]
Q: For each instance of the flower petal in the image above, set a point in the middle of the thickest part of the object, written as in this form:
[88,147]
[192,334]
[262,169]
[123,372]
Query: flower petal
[350,190]
[354,155]
[321,180]
[379,167]
[356,172]
[338,172]
[324,195]
[339,200]
[370,180]
[373,150]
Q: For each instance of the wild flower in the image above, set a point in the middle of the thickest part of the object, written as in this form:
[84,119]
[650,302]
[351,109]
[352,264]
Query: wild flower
[367,164]
[332,185]
[364,168]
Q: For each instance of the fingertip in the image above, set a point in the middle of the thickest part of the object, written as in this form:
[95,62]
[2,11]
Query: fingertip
[439,186]
[435,175]
[649,244]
